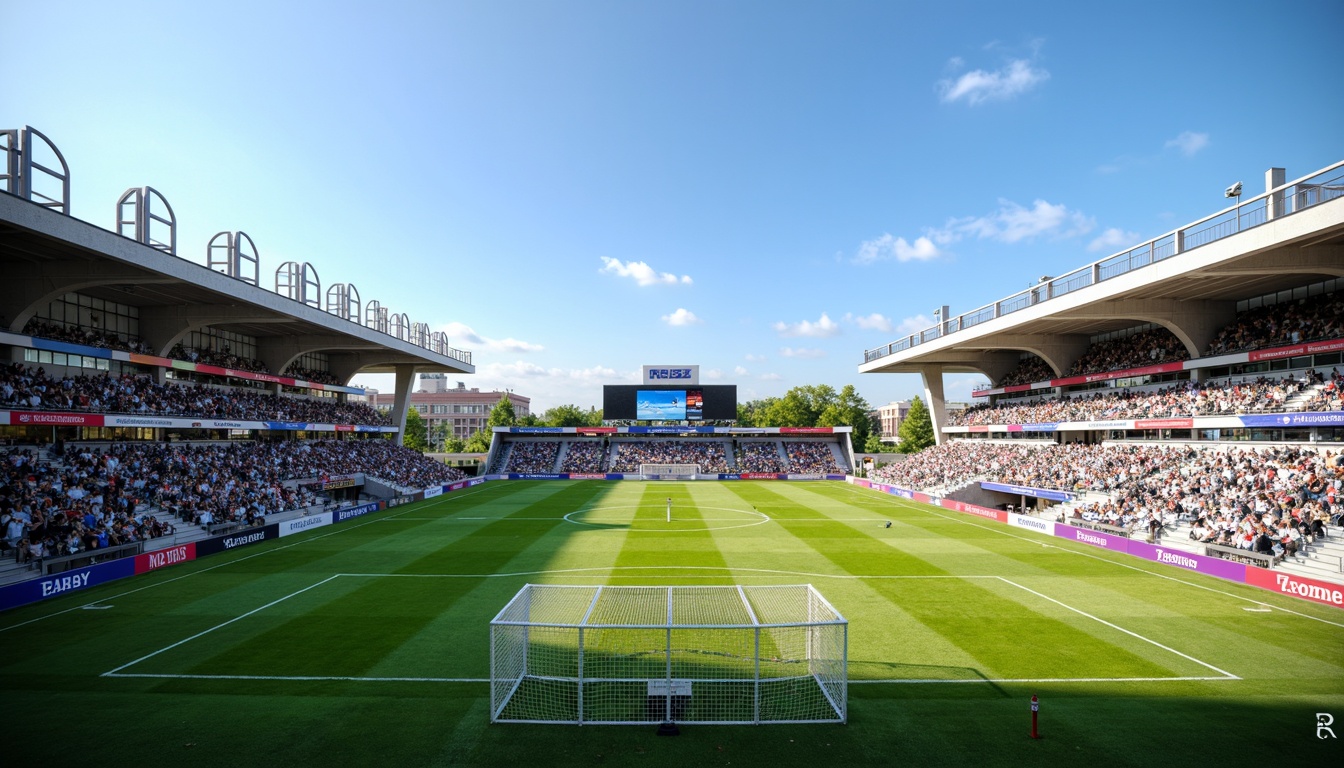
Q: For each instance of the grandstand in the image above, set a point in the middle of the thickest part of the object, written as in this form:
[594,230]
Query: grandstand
[699,452]
[155,402]
[1186,390]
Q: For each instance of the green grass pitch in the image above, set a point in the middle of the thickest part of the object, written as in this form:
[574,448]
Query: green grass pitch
[366,643]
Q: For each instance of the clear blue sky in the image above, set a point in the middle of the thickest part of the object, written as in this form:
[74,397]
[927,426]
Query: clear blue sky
[765,189]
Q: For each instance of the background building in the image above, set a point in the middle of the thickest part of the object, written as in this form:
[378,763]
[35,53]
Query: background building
[461,411]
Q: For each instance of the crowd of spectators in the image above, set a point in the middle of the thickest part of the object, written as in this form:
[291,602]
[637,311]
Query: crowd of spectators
[311,374]
[1150,347]
[812,457]
[89,501]
[29,389]
[1275,325]
[1189,398]
[1277,498]
[381,459]
[532,457]
[759,457]
[1330,397]
[99,496]
[223,357]
[708,454]
[584,456]
[89,337]
[1032,369]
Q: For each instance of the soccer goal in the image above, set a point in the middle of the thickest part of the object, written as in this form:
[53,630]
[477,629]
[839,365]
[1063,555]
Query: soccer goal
[685,654]
[669,471]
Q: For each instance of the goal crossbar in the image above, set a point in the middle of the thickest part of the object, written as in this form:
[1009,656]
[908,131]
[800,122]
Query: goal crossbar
[693,654]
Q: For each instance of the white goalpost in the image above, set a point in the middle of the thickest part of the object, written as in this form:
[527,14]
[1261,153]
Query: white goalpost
[685,654]
[669,471]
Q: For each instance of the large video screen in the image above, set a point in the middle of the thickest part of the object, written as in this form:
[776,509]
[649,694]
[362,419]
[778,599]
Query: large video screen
[651,402]
[669,404]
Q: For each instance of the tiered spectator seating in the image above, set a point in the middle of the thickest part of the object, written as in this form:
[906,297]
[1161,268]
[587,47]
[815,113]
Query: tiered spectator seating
[532,457]
[708,454]
[811,457]
[1217,398]
[32,389]
[583,456]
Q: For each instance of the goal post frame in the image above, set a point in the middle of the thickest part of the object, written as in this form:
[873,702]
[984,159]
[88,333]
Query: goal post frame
[580,655]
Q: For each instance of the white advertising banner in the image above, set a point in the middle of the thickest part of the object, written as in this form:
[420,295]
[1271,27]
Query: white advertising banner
[671,374]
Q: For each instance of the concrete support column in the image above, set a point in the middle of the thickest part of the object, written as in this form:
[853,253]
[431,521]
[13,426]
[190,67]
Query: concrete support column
[405,382]
[1275,177]
[933,398]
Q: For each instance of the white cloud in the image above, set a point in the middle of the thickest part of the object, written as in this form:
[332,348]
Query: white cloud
[771,377]
[1013,223]
[714,374]
[739,371]
[888,247]
[750,358]
[641,273]
[460,335]
[801,353]
[822,329]
[682,317]
[1189,142]
[979,86]
[873,322]
[913,325]
[1113,238]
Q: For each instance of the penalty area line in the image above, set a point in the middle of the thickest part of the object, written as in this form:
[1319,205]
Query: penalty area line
[1119,628]
[217,626]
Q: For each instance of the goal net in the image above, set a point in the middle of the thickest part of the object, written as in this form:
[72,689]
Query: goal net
[687,654]
[669,471]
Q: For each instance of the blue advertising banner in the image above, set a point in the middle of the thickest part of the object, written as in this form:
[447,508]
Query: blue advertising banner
[33,590]
[287,425]
[1022,490]
[1050,426]
[71,349]
[1322,419]
[537,430]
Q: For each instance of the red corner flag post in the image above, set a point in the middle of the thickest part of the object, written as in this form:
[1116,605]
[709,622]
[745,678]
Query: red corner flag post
[1035,709]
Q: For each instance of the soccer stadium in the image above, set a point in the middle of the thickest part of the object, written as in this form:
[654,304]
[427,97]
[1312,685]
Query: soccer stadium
[215,551]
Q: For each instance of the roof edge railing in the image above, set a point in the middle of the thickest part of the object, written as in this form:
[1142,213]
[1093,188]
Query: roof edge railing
[1284,200]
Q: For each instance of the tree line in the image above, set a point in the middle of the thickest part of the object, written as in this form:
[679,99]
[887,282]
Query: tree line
[812,405]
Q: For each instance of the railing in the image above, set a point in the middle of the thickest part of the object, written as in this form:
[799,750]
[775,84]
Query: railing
[1114,530]
[1294,197]
[64,563]
[17,164]
[1241,555]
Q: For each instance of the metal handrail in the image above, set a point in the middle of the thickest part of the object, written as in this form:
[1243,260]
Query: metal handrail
[1294,197]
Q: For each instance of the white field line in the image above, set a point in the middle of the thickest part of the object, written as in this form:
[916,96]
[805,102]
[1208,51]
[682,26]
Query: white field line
[936,681]
[890,681]
[1118,628]
[217,626]
[305,677]
[608,569]
[343,528]
[484,680]
[1003,530]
